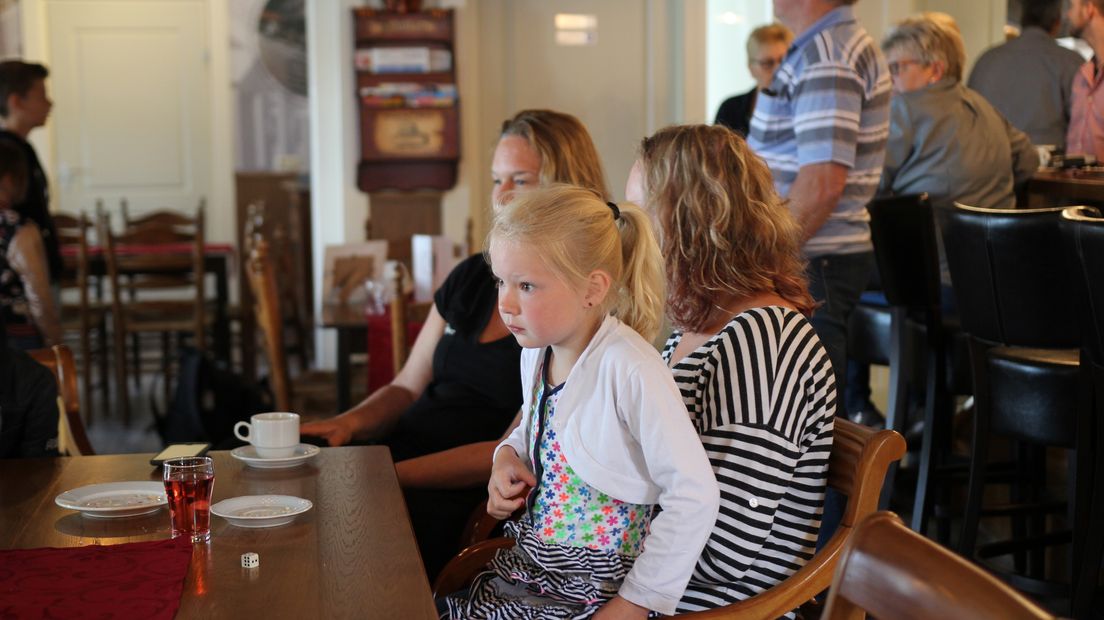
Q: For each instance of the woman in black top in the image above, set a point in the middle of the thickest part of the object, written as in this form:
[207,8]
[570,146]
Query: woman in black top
[444,412]
[766,47]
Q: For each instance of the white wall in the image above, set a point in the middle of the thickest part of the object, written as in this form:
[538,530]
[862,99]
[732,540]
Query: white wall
[338,208]
[728,24]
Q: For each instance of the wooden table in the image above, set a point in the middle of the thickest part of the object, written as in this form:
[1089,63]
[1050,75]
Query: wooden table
[177,259]
[1065,188]
[352,555]
[351,324]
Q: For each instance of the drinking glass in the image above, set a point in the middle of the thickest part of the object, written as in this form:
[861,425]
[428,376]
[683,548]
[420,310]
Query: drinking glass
[189,482]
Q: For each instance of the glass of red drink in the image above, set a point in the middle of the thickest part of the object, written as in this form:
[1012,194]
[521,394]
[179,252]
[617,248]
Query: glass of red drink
[189,482]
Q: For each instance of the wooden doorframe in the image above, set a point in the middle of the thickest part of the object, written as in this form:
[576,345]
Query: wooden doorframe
[221,222]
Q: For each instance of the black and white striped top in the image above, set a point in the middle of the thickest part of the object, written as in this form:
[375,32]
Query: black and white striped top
[762,396]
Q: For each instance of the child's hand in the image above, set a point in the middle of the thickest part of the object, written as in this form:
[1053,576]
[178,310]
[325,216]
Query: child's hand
[510,483]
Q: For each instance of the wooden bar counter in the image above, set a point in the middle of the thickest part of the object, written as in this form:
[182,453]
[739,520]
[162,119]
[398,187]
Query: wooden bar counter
[352,555]
[1065,188]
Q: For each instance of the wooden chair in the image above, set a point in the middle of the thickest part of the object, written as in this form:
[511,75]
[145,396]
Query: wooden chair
[88,316]
[152,273]
[889,571]
[406,317]
[309,387]
[284,248]
[59,359]
[857,467]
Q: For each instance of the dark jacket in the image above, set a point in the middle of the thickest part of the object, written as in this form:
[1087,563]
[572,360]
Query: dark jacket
[735,113]
[28,407]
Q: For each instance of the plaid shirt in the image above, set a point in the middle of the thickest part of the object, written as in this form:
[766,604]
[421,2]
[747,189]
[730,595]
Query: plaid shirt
[829,102]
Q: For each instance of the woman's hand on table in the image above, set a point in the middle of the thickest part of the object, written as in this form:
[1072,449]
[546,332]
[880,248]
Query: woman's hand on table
[510,483]
[334,431]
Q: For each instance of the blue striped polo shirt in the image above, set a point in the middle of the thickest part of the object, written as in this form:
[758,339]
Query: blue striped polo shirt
[829,102]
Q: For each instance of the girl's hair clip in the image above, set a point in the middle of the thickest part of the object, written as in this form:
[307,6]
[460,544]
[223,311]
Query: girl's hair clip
[616,211]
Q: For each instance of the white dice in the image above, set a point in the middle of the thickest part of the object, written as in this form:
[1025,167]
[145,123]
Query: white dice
[250,560]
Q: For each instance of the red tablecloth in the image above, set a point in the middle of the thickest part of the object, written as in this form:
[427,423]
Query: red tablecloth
[380,366]
[134,580]
[151,249]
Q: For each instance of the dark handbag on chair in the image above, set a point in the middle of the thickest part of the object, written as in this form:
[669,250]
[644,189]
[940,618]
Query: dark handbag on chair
[208,401]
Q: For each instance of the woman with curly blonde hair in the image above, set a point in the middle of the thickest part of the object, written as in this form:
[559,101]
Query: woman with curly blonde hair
[755,378]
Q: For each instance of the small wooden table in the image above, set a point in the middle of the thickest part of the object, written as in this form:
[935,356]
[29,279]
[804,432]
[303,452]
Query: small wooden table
[352,555]
[351,324]
[177,259]
[1065,188]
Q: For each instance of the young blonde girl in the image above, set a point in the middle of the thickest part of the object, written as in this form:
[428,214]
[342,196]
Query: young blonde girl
[604,436]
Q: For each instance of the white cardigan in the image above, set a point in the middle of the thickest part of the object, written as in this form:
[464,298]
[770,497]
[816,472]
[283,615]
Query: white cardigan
[623,428]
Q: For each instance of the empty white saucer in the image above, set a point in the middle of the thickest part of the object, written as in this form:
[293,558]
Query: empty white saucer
[115,499]
[261,510]
[248,455]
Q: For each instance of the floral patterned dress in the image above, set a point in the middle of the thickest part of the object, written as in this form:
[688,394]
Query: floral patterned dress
[575,544]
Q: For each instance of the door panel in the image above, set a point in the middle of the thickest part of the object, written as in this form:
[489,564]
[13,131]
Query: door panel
[130,87]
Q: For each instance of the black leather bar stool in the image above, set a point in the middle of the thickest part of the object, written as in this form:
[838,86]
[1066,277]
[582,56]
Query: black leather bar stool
[904,234]
[1015,301]
[1083,232]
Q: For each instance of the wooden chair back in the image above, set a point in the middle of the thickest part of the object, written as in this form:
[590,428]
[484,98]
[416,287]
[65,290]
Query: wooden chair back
[149,271]
[59,359]
[889,571]
[403,313]
[857,467]
[266,309]
[283,250]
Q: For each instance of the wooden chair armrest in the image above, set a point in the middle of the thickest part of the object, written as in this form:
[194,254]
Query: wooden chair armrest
[461,569]
[809,580]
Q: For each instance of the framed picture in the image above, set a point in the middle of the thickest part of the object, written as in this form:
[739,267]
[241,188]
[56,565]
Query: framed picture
[349,266]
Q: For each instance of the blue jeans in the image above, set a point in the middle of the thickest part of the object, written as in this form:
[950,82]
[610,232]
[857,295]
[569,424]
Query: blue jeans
[836,282]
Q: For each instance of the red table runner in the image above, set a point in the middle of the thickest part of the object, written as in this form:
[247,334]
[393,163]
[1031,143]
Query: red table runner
[133,580]
[151,249]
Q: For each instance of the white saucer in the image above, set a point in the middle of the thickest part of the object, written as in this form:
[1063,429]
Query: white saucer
[248,455]
[261,510]
[115,499]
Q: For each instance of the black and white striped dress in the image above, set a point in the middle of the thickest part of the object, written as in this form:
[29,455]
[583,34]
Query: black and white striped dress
[762,396]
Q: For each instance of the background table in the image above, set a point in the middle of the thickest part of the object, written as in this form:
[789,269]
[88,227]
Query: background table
[176,259]
[352,555]
[1065,188]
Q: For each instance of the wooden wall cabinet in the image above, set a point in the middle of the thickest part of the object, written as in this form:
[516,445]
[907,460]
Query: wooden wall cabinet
[406,91]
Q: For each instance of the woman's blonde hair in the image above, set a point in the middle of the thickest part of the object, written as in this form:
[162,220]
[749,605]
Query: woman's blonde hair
[723,229]
[765,35]
[566,151]
[575,232]
[931,39]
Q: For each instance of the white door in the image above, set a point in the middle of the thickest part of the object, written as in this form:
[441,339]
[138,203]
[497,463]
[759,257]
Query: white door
[130,84]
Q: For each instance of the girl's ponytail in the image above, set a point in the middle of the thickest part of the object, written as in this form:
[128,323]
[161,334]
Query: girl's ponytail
[640,302]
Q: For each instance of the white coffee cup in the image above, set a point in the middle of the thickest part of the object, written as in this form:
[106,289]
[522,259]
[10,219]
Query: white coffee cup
[273,435]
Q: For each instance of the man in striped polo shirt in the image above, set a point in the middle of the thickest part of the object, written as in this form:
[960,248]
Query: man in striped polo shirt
[822,128]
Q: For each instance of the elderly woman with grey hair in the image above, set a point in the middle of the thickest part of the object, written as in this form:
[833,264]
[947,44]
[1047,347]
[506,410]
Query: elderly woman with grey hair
[945,140]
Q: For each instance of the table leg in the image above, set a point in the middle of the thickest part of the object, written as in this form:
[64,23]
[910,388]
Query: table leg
[222,325]
[344,380]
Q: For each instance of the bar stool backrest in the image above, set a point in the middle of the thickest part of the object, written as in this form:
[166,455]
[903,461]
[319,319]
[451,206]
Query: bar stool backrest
[903,231]
[1010,277]
[1083,230]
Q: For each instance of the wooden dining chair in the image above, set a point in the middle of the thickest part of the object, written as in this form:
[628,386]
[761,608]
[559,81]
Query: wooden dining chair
[407,318]
[311,390]
[889,571]
[88,317]
[857,467]
[284,250]
[59,359]
[163,293]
